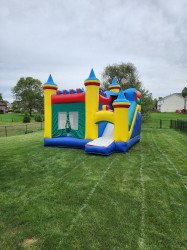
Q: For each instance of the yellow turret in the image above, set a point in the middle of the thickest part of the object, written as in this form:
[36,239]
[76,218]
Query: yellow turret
[92,102]
[49,88]
[121,130]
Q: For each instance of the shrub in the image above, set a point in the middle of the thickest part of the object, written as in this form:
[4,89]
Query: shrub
[38,118]
[26,118]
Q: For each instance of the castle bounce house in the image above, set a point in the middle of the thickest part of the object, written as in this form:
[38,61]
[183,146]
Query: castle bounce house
[98,122]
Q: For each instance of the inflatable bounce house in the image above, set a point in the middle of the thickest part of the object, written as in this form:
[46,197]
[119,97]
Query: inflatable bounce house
[98,122]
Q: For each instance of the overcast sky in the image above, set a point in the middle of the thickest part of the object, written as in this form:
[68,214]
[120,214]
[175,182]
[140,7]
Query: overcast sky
[68,38]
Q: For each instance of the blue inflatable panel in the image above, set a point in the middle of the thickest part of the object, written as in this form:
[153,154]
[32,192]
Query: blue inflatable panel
[100,150]
[124,146]
[66,142]
[130,94]
[121,147]
[137,125]
[132,109]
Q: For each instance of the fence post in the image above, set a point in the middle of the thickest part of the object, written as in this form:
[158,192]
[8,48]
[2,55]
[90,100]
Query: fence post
[180,124]
[160,123]
[6,131]
[26,129]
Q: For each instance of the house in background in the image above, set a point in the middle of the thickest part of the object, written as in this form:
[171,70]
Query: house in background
[171,103]
[3,108]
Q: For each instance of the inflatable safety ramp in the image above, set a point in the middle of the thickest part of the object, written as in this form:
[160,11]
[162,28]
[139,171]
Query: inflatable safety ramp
[105,146]
[102,146]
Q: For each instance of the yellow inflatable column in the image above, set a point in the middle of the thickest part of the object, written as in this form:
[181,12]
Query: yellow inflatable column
[114,87]
[121,130]
[92,102]
[49,88]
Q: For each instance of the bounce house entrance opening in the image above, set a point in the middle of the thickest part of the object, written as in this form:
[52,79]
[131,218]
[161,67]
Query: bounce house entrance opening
[68,120]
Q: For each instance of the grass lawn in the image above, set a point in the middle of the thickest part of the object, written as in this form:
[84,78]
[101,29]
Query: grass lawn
[55,198]
[13,118]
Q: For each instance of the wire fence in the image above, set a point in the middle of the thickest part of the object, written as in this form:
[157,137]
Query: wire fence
[19,129]
[166,124]
[179,124]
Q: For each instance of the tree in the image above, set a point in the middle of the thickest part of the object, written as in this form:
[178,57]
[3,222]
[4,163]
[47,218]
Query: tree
[155,101]
[2,100]
[16,107]
[28,95]
[184,94]
[127,76]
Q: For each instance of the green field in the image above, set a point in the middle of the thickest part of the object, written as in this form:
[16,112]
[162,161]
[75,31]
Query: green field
[11,118]
[55,198]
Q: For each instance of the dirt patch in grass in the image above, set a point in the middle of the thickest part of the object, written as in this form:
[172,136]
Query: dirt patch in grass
[29,242]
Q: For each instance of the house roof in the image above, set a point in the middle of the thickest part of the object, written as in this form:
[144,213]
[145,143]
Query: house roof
[179,94]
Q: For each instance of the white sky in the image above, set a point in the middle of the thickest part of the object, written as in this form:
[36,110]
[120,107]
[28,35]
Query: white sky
[68,38]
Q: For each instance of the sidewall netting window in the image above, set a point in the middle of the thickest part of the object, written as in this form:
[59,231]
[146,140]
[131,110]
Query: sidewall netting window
[63,120]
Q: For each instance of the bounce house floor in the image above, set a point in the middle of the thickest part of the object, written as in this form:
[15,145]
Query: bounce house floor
[97,146]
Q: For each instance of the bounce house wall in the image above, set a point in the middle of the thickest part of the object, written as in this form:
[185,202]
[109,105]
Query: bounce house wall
[67,108]
[137,125]
[131,112]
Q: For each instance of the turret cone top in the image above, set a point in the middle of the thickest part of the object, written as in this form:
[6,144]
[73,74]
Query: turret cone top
[92,80]
[50,83]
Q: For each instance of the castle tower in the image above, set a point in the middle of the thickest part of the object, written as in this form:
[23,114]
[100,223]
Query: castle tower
[114,86]
[121,130]
[49,88]
[92,102]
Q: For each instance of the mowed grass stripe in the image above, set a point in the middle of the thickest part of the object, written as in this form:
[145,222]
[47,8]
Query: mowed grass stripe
[176,159]
[143,204]
[108,218]
[175,138]
[180,148]
[85,204]
[172,141]
[165,201]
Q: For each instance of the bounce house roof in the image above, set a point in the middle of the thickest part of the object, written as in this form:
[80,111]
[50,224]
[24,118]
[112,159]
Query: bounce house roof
[68,98]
